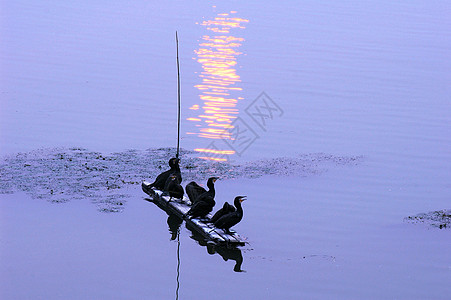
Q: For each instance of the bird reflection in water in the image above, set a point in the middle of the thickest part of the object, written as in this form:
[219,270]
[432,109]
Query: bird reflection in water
[226,253]
[174,223]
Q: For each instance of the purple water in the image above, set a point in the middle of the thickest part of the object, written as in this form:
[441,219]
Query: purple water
[352,80]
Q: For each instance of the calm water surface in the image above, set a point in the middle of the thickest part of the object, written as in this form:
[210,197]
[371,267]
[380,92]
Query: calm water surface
[345,79]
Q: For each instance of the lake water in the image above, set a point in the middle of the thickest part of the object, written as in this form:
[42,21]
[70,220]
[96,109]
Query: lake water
[340,110]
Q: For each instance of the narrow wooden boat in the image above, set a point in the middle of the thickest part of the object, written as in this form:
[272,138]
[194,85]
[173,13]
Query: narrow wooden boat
[180,207]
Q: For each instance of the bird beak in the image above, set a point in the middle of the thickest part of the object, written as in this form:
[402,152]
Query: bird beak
[243,198]
[216,178]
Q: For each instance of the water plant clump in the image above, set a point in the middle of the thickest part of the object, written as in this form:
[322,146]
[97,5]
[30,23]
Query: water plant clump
[439,219]
[60,175]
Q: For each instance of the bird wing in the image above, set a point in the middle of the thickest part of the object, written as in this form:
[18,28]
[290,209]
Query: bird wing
[227,220]
[217,215]
[200,209]
[161,179]
[193,190]
[228,208]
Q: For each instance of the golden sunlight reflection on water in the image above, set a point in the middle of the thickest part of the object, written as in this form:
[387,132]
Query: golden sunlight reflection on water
[218,87]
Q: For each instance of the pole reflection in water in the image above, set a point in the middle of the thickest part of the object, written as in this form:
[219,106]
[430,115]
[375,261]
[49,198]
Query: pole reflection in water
[219,90]
[174,223]
[178,265]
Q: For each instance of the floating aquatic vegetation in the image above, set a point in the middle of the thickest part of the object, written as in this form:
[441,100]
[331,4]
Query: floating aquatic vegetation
[440,218]
[60,175]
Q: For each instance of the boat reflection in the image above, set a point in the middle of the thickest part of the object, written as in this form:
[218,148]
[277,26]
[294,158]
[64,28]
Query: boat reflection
[227,253]
[219,90]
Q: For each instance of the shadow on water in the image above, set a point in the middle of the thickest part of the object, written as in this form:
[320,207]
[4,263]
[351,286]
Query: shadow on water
[174,223]
[227,253]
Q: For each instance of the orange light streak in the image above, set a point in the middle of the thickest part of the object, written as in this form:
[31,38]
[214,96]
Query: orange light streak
[215,151]
[217,54]
[213,158]
[194,119]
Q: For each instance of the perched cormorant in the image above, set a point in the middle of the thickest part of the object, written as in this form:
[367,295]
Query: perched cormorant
[210,194]
[197,193]
[173,187]
[226,208]
[201,208]
[193,190]
[233,218]
[161,179]
[204,203]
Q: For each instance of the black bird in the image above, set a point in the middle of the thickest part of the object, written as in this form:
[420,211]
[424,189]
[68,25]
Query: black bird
[193,190]
[205,202]
[161,179]
[173,187]
[197,193]
[201,208]
[226,208]
[209,195]
[233,218]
